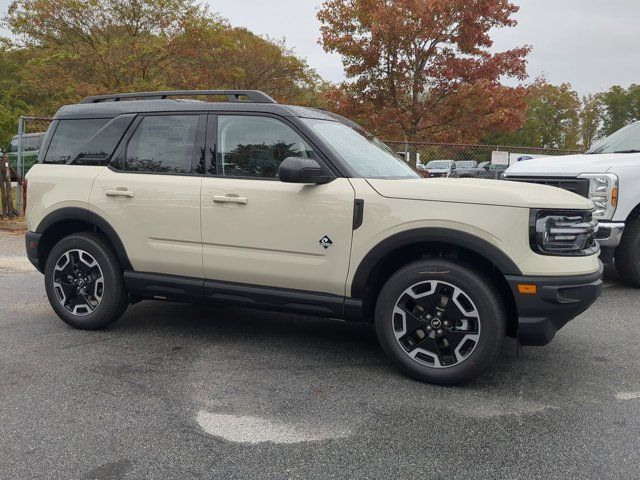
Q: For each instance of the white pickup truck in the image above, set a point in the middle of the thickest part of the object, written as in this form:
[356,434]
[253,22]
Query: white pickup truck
[608,174]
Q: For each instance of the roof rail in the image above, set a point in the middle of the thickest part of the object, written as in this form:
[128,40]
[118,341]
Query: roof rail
[234,96]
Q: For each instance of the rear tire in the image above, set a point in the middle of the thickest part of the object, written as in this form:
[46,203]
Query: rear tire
[84,282]
[627,254]
[440,322]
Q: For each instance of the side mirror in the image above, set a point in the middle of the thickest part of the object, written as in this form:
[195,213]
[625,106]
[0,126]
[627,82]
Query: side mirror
[302,170]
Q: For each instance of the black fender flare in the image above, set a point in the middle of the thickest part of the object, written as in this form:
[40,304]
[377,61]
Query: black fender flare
[448,236]
[91,218]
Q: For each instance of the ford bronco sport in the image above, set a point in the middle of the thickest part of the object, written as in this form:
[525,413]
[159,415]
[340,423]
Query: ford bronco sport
[154,196]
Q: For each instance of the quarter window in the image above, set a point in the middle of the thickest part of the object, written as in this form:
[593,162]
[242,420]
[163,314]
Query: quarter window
[252,146]
[163,144]
[70,137]
[85,142]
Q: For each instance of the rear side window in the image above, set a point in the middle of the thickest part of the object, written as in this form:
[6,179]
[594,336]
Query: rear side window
[86,141]
[163,144]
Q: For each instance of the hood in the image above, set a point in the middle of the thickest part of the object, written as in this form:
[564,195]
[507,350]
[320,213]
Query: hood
[481,191]
[572,165]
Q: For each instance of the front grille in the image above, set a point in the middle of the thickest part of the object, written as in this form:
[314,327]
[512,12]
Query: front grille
[575,185]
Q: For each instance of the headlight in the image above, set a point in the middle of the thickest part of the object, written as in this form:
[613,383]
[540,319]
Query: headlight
[603,192]
[568,233]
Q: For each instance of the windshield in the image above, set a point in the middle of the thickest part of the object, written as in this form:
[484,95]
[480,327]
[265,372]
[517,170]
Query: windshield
[442,164]
[466,164]
[13,146]
[625,140]
[366,155]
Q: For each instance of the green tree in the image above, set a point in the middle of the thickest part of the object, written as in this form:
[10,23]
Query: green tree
[620,107]
[590,119]
[552,119]
[75,48]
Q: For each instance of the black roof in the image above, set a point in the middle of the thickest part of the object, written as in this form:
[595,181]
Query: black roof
[109,106]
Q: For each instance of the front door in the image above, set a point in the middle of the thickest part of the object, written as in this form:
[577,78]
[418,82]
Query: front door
[152,196]
[257,230]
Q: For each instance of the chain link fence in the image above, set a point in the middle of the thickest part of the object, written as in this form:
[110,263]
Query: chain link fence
[422,153]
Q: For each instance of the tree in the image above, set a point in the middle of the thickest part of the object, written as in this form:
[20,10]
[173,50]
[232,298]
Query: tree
[590,119]
[237,58]
[620,107]
[552,118]
[423,69]
[75,48]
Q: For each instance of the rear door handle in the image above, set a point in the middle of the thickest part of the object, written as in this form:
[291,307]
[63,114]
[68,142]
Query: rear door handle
[230,199]
[119,192]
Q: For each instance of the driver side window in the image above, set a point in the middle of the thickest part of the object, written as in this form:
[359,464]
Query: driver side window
[253,146]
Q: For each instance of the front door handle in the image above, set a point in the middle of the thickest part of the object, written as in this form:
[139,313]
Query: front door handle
[119,192]
[230,199]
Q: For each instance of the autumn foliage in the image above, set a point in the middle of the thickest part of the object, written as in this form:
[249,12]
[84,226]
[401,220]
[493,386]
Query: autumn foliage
[68,49]
[424,69]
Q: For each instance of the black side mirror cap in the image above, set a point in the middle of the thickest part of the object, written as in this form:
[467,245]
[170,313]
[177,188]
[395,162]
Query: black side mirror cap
[302,170]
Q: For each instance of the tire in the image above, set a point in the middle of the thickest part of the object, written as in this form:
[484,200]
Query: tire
[417,291]
[85,261]
[627,254]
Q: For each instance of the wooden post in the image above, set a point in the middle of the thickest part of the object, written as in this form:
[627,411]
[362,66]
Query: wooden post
[5,188]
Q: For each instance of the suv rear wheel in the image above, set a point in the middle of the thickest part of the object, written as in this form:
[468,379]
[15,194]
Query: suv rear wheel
[440,322]
[83,280]
[628,254]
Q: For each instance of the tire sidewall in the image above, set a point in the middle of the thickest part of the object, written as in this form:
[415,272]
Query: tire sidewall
[480,292]
[113,289]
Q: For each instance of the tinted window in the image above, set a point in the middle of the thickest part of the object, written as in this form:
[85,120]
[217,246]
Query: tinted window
[255,146]
[163,144]
[32,144]
[86,141]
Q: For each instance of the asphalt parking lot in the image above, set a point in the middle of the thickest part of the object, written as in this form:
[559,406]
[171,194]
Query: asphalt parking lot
[180,391]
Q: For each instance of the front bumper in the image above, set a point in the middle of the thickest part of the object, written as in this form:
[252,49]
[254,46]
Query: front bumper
[557,301]
[32,242]
[609,236]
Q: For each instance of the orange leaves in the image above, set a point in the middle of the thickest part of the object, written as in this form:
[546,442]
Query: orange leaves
[422,69]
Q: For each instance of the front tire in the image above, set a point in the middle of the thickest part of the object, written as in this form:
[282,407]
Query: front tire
[440,322]
[628,254]
[84,282]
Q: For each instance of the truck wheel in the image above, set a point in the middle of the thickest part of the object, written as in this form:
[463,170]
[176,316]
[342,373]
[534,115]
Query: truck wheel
[627,255]
[84,284]
[440,322]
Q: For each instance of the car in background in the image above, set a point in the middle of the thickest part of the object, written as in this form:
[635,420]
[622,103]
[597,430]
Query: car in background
[438,168]
[467,169]
[491,170]
[609,175]
[31,149]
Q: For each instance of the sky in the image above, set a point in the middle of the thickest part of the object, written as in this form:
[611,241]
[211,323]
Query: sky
[592,44]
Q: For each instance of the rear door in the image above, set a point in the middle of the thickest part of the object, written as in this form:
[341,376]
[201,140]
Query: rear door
[151,193]
[260,231]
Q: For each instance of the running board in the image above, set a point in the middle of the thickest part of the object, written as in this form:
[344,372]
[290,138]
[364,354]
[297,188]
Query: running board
[195,290]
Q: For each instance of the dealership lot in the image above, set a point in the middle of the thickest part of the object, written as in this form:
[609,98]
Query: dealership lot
[180,391]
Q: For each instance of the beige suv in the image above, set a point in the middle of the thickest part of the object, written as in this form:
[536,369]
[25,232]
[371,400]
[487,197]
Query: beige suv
[155,196]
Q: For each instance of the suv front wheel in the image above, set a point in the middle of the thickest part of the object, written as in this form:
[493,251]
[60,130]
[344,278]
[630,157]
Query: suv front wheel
[440,322]
[83,280]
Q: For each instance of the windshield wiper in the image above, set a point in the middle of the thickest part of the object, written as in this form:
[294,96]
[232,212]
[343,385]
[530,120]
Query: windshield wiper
[628,151]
